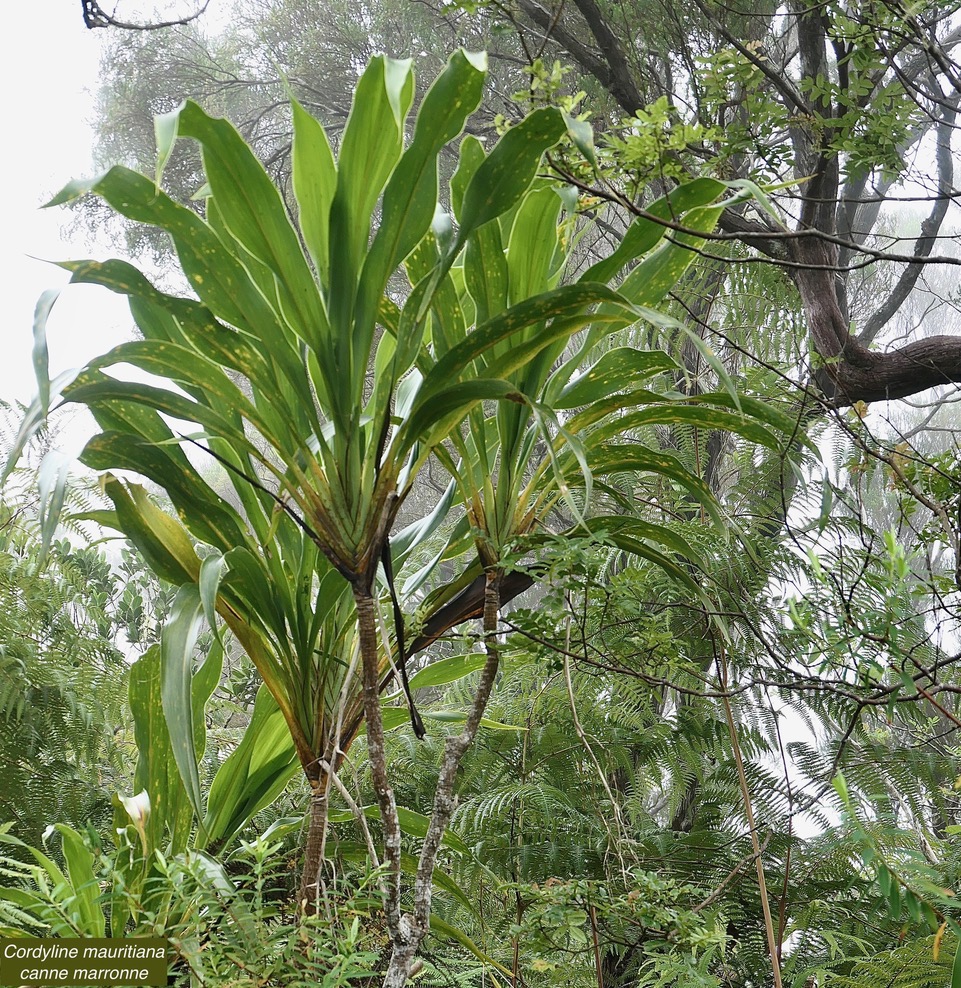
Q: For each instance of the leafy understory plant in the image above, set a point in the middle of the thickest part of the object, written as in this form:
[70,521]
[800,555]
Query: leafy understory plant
[220,919]
[322,397]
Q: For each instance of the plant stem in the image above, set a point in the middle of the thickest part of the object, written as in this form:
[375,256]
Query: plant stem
[370,670]
[414,928]
[313,854]
[772,943]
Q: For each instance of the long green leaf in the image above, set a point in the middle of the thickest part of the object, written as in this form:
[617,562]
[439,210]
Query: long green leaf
[177,643]
[697,416]
[449,670]
[505,175]
[41,362]
[156,771]
[657,274]
[611,458]
[616,370]
[254,773]
[165,545]
[645,232]
[253,210]
[85,882]
[533,245]
[410,198]
[442,929]
[568,301]
[315,182]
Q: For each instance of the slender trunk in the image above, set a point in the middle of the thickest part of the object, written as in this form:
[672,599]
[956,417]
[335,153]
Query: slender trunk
[314,852]
[445,802]
[413,928]
[401,964]
[370,663]
[404,938]
[773,943]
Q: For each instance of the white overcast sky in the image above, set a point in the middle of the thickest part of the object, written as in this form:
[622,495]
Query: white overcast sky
[49,75]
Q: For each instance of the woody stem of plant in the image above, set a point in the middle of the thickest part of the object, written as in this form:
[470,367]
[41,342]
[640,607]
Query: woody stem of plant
[390,823]
[313,854]
[445,802]
[772,943]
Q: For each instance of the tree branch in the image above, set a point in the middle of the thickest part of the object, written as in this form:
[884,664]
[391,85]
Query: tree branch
[925,242]
[95,16]
[619,84]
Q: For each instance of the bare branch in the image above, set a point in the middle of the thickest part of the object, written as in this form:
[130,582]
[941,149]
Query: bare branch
[926,240]
[95,16]
[618,81]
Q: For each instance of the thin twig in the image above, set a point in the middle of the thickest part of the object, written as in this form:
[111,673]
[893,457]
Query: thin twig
[749,812]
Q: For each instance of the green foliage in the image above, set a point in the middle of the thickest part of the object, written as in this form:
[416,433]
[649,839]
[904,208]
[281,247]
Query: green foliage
[923,963]
[62,677]
[343,454]
[651,145]
[563,921]
[236,930]
[225,921]
[402,328]
[728,76]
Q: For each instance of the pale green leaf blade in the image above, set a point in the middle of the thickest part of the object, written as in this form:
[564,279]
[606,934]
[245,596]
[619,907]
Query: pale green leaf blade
[254,773]
[156,771]
[164,542]
[52,483]
[449,670]
[41,362]
[177,641]
[212,571]
[656,275]
[252,209]
[85,881]
[645,232]
[315,182]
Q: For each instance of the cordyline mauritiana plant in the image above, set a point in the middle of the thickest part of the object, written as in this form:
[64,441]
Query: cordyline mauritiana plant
[322,397]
